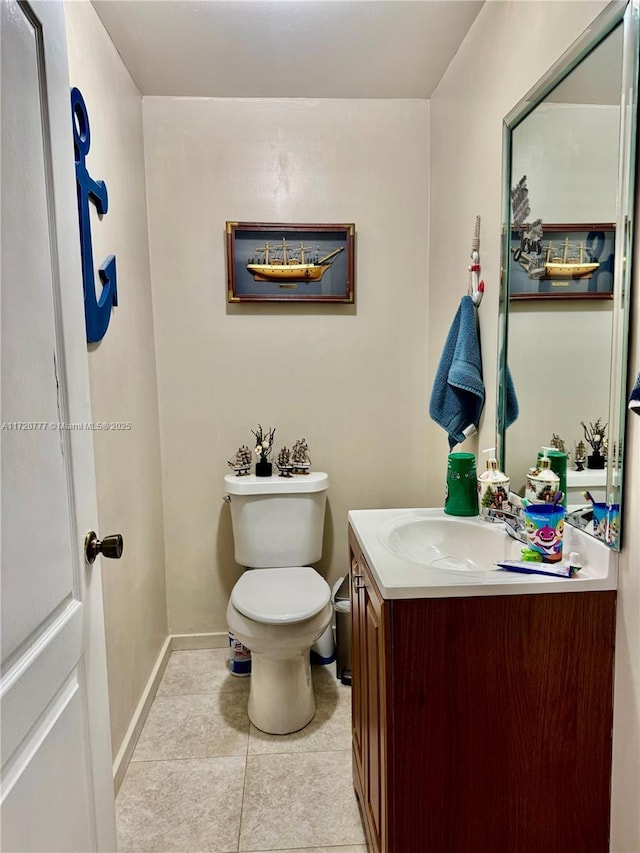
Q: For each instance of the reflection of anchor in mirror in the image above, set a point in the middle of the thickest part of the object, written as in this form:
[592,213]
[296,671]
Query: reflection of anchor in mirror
[529,254]
[97,312]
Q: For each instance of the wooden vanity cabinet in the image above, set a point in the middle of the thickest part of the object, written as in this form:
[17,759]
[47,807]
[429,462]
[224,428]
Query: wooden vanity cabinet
[482,724]
[369,656]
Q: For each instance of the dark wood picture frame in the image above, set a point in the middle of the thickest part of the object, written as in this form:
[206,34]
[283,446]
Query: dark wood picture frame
[594,242]
[285,262]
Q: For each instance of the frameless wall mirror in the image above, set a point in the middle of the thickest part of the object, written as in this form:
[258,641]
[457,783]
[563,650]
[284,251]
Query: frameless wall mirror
[568,161]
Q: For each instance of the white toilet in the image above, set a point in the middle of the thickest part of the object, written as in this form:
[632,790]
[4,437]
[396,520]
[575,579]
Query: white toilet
[280,605]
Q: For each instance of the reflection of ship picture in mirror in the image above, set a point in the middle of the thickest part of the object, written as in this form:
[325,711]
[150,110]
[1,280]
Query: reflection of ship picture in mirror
[559,306]
[566,261]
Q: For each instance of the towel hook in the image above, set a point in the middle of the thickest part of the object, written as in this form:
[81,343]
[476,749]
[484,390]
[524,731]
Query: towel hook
[476,287]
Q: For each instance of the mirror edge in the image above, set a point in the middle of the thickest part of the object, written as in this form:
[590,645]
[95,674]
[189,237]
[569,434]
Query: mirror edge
[628,12]
[622,283]
[601,26]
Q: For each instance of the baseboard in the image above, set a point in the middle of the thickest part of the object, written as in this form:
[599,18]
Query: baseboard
[173,643]
[183,642]
[122,759]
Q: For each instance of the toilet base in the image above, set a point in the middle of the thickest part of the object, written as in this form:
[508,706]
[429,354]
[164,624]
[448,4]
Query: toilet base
[281,698]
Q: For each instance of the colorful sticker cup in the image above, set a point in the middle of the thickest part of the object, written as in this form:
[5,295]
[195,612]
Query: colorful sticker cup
[606,522]
[612,531]
[544,525]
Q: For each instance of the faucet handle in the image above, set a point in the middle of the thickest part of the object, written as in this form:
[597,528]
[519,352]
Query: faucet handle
[514,525]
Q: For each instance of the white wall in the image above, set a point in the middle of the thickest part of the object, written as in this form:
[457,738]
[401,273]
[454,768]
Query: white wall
[507,50]
[352,380]
[569,153]
[123,372]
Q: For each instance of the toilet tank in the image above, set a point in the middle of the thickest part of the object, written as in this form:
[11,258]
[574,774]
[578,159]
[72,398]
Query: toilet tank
[277,521]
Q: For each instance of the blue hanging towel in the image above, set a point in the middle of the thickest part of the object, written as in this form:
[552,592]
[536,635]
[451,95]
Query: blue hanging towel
[457,397]
[634,397]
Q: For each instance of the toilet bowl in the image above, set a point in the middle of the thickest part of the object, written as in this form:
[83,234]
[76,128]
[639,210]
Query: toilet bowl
[279,607]
[278,615]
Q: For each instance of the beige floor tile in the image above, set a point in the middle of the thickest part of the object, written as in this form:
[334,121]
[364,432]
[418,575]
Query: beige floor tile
[200,671]
[324,679]
[181,806]
[330,728]
[299,800]
[195,726]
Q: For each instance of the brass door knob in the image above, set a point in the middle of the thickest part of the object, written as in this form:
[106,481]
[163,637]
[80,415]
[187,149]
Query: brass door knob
[111,546]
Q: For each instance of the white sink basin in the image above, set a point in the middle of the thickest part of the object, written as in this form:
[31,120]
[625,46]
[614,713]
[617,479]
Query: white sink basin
[454,544]
[424,553]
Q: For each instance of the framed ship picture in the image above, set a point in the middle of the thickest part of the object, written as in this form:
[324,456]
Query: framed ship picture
[562,261]
[282,262]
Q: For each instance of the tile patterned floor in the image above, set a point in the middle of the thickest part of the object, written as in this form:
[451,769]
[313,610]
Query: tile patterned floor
[204,780]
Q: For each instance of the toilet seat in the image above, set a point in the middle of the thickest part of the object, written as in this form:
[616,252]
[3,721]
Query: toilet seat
[281,596]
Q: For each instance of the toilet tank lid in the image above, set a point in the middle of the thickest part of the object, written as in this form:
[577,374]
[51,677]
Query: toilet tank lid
[316,481]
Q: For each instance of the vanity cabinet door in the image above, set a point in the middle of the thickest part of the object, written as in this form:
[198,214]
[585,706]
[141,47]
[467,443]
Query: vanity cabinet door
[502,716]
[369,699]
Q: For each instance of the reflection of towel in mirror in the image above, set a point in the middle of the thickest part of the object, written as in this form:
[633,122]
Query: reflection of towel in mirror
[457,397]
[634,397]
[512,409]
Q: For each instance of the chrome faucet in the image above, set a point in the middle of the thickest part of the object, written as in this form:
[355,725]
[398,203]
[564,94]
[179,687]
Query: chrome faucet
[512,521]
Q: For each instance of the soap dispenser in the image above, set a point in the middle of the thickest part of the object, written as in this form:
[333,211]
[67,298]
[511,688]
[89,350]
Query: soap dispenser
[542,483]
[493,485]
[558,463]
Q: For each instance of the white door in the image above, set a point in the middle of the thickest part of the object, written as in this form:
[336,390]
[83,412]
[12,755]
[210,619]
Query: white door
[57,787]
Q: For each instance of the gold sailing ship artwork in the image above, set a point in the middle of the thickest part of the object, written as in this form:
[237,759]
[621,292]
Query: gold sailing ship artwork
[565,261]
[290,263]
[546,261]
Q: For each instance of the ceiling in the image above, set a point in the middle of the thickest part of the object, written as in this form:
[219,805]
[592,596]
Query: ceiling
[288,48]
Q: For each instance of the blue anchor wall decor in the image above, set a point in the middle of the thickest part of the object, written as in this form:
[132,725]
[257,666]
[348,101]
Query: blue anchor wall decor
[97,312]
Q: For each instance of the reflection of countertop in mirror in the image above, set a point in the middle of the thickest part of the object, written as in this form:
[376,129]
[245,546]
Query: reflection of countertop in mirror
[587,478]
[401,578]
[592,480]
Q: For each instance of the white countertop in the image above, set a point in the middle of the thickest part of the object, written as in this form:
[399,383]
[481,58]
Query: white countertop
[399,578]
